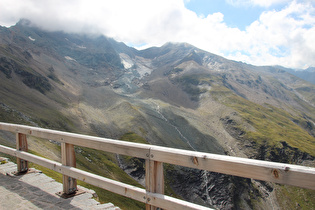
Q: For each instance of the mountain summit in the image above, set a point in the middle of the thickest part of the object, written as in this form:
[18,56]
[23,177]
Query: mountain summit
[175,95]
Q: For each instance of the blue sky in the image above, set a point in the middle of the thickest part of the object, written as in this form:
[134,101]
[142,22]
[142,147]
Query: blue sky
[235,15]
[259,32]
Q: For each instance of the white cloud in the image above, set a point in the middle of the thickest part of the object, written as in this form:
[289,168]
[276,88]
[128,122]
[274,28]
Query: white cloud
[282,37]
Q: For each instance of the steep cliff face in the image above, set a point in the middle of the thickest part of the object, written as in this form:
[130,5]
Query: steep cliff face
[175,95]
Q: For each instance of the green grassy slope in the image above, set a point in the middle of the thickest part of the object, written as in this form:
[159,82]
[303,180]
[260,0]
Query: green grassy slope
[276,138]
[272,125]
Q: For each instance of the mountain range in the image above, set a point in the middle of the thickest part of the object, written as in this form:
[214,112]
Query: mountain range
[175,95]
[307,74]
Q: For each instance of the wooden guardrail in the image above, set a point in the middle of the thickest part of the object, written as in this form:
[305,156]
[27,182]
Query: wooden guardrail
[154,156]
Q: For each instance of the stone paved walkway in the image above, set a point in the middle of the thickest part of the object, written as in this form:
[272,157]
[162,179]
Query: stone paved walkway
[37,191]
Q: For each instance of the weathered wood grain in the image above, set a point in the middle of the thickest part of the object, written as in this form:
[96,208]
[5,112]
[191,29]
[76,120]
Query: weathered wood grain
[136,193]
[155,156]
[154,179]
[104,144]
[68,159]
[21,144]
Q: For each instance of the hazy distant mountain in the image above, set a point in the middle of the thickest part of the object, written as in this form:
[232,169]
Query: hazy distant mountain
[175,95]
[307,74]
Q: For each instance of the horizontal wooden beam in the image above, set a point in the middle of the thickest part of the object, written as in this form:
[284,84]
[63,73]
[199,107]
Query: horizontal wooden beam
[104,144]
[282,173]
[126,190]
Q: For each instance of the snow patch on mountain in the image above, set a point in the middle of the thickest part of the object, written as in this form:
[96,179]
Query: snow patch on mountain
[126,60]
[70,59]
[31,38]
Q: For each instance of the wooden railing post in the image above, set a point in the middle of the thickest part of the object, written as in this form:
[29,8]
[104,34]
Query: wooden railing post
[155,156]
[21,145]
[154,179]
[68,159]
